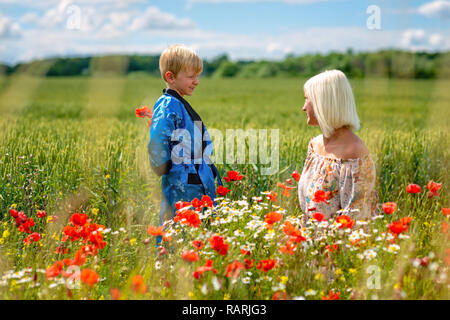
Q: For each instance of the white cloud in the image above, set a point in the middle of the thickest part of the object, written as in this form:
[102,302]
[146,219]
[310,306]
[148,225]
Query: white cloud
[190,3]
[9,28]
[436,9]
[242,1]
[419,39]
[153,18]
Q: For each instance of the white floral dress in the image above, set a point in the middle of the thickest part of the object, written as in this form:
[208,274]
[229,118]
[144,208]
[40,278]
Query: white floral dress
[349,186]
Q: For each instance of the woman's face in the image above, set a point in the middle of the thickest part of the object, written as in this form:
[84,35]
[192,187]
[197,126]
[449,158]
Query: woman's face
[308,108]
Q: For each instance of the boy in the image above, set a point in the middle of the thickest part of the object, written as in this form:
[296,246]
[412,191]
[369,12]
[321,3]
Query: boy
[180,146]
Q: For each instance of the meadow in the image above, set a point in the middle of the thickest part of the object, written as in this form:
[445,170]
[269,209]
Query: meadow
[75,145]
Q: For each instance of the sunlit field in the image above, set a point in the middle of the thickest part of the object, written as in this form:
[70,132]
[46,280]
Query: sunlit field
[79,204]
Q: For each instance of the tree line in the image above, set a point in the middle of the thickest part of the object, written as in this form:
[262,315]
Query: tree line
[383,63]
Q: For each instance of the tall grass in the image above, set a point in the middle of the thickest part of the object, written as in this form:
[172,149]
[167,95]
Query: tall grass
[74,144]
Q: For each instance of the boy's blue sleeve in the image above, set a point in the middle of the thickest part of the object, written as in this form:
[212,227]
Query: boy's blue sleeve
[166,118]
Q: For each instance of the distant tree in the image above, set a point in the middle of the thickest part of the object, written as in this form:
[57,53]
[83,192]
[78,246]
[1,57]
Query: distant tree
[68,67]
[227,69]
[210,67]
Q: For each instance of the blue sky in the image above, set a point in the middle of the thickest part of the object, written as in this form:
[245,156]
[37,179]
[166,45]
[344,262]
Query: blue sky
[244,29]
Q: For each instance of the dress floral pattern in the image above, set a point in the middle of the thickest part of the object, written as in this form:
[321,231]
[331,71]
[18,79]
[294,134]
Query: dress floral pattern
[349,185]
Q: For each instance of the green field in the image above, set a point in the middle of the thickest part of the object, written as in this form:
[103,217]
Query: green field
[75,144]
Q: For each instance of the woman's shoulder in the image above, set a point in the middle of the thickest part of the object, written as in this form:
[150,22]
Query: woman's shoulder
[355,149]
[352,147]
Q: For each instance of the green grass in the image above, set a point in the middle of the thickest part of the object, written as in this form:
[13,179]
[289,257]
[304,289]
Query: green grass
[74,144]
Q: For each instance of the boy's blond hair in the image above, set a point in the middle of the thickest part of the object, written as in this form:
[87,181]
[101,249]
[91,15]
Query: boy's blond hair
[179,57]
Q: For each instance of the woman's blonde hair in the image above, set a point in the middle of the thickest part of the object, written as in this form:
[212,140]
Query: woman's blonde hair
[333,102]
[179,57]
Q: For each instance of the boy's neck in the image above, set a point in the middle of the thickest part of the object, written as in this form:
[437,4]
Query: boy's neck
[171,88]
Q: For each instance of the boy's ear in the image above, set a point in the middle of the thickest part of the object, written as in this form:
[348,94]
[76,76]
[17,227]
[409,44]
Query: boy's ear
[169,76]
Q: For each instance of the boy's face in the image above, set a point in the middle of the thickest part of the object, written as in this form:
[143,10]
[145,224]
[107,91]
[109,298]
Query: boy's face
[184,83]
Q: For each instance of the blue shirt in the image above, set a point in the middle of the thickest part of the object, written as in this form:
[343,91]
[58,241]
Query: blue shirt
[176,138]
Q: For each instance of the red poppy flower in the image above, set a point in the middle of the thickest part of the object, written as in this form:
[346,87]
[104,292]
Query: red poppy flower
[79,219]
[189,217]
[296,175]
[144,112]
[273,217]
[34,237]
[61,250]
[266,265]
[444,227]
[332,296]
[413,188]
[218,244]
[234,269]
[138,285]
[332,248]
[196,203]
[79,258]
[406,220]
[288,181]
[272,196]
[424,261]
[397,227]
[288,248]
[115,293]
[321,196]
[445,211]
[54,270]
[25,227]
[190,256]
[285,189]
[202,269]
[433,187]
[180,204]
[319,216]
[345,221]
[280,295]
[151,230]
[233,176]
[41,214]
[249,263]
[13,213]
[97,240]
[389,207]
[89,276]
[20,218]
[198,244]
[222,191]
[295,235]
[206,201]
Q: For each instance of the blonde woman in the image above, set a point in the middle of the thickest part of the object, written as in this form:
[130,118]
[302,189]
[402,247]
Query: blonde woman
[339,174]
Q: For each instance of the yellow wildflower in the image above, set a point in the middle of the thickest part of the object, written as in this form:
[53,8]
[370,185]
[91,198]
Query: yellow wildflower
[284,279]
[318,276]
[5,234]
[226,296]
